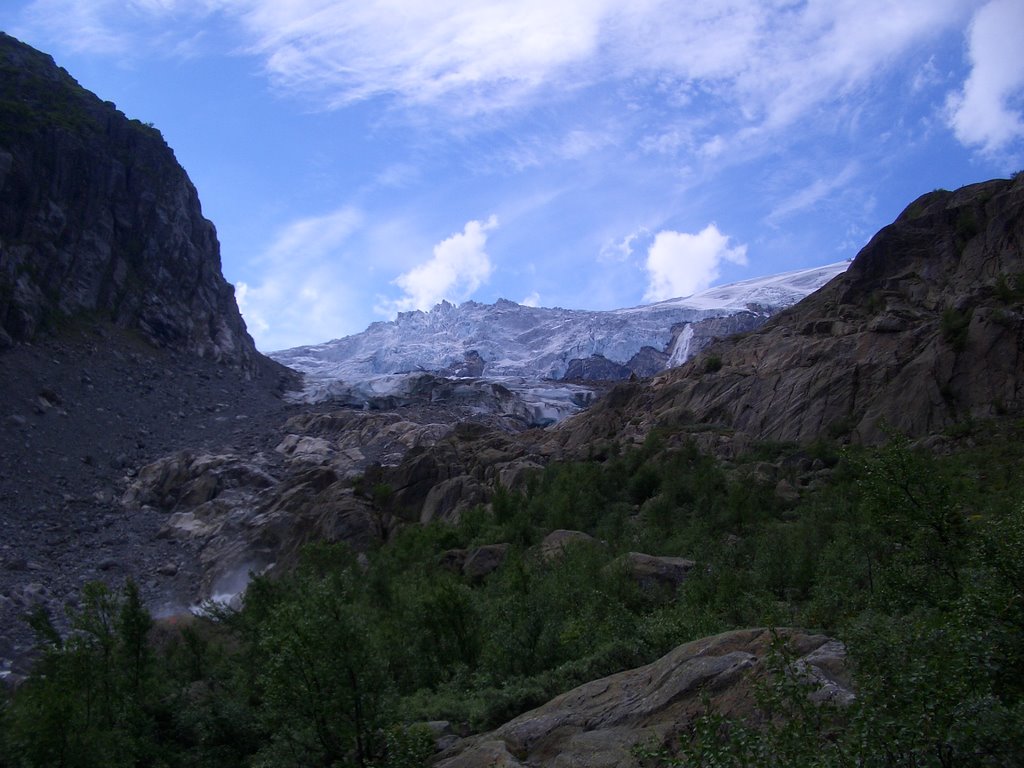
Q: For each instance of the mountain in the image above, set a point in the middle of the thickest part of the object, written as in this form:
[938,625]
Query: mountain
[509,339]
[923,331]
[528,349]
[143,445]
[98,220]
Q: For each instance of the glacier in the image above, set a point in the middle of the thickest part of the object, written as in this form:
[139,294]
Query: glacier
[531,351]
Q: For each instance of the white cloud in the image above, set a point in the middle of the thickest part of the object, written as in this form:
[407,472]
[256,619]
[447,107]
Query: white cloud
[458,267]
[533,300]
[981,113]
[80,25]
[313,237]
[580,143]
[928,75]
[305,290]
[669,142]
[680,264]
[398,175]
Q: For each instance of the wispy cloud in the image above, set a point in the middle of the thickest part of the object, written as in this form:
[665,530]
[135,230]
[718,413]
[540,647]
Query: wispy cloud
[762,65]
[126,30]
[622,250]
[398,175]
[458,267]
[680,264]
[813,193]
[80,25]
[476,56]
[313,237]
[304,291]
[981,114]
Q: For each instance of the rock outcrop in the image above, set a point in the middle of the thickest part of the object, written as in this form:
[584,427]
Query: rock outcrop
[598,724]
[654,572]
[249,513]
[98,220]
[925,329]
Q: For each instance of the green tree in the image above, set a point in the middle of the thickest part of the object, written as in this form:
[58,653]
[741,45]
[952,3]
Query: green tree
[89,702]
[918,531]
[324,678]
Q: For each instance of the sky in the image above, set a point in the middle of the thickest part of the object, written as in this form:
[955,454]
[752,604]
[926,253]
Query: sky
[365,158]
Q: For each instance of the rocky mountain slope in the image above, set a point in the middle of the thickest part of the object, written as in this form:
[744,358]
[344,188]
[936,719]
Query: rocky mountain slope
[924,330]
[97,218]
[120,342]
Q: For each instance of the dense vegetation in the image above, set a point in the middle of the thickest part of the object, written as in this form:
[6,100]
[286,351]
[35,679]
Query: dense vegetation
[911,556]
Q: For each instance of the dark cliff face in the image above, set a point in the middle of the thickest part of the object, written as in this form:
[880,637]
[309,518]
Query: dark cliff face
[924,330]
[98,219]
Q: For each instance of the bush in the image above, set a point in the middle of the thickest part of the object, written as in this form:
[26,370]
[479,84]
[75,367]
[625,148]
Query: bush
[954,326]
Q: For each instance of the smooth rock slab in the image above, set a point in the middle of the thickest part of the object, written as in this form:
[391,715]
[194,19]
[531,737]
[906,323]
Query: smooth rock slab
[599,723]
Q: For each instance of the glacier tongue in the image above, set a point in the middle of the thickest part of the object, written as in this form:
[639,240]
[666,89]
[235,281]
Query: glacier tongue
[528,350]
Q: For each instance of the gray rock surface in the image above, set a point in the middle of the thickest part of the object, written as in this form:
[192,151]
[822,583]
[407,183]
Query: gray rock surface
[99,221]
[598,723]
[115,406]
[120,341]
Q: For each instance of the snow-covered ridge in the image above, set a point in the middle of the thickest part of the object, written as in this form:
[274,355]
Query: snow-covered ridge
[507,339]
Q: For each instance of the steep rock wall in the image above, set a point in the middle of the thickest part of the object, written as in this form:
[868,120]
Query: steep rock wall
[98,219]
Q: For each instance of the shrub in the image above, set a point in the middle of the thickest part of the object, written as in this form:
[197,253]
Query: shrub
[954,326]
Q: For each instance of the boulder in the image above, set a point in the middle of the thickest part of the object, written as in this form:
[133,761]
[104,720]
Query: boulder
[185,480]
[485,560]
[453,559]
[447,499]
[652,571]
[598,724]
[553,546]
[306,449]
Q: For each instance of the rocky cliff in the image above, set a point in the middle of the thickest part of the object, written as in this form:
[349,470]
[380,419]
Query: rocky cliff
[98,219]
[120,342]
[924,330]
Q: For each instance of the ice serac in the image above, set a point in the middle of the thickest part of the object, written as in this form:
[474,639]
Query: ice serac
[512,344]
[99,221]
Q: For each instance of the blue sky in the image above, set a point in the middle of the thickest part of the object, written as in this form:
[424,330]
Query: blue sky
[364,158]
